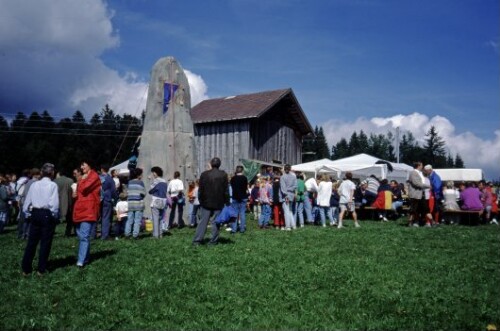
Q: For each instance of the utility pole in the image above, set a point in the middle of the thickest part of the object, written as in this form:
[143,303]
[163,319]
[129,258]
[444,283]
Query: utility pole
[397,144]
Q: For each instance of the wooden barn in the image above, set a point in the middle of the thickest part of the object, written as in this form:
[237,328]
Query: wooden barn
[266,126]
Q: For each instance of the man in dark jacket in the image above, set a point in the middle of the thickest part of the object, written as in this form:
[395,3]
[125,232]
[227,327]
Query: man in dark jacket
[108,194]
[239,189]
[213,195]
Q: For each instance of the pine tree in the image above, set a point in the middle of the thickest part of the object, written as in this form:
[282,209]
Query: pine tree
[449,161]
[4,138]
[459,163]
[434,149]
[354,146]
[409,149]
[363,143]
[321,146]
[340,149]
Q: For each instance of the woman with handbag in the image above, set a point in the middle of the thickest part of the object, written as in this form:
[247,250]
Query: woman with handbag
[176,192]
[158,191]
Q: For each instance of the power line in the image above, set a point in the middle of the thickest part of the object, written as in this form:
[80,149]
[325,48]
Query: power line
[102,120]
[46,129]
[76,133]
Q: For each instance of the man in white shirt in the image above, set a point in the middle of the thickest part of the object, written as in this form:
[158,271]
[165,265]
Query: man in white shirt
[346,192]
[42,207]
[311,190]
[176,192]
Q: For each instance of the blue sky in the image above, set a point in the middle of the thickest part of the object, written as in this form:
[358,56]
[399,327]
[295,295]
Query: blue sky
[353,64]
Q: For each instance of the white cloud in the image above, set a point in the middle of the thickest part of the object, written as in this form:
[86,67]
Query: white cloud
[476,152]
[50,59]
[197,87]
[82,27]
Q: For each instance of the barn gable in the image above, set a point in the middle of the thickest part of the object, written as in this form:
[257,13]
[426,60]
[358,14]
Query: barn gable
[265,126]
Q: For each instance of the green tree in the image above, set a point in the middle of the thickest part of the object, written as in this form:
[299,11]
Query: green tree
[409,150]
[449,161]
[459,163]
[340,149]
[380,146]
[31,141]
[354,146]
[4,145]
[321,146]
[434,149]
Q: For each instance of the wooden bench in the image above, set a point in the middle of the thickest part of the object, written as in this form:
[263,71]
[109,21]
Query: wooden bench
[369,212]
[469,217]
[363,212]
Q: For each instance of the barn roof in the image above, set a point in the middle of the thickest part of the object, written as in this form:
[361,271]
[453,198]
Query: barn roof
[249,106]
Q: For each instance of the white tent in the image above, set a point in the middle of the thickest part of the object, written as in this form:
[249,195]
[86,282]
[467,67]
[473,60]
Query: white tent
[399,172]
[328,166]
[460,174]
[361,166]
[318,166]
[122,168]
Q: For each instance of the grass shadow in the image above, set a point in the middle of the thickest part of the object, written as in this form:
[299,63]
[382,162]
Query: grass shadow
[67,261]
[225,241]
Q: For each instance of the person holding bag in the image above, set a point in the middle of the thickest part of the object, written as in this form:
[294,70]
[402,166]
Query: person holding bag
[176,192]
[158,193]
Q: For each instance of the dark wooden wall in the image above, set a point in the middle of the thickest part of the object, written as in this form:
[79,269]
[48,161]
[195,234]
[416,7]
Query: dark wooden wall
[264,140]
[228,140]
[271,140]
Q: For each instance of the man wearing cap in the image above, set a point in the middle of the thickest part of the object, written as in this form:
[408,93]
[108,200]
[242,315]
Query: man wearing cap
[42,207]
[437,190]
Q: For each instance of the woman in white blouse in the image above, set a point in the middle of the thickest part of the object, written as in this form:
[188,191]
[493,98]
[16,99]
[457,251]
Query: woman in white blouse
[323,200]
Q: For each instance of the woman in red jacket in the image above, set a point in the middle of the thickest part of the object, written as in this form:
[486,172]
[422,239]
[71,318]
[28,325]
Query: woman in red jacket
[86,210]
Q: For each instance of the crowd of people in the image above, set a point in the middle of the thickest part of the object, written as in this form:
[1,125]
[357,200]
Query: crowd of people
[430,199]
[277,198]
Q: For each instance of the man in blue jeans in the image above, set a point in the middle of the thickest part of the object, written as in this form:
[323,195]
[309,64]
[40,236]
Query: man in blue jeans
[288,186]
[42,207]
[213,196]
[108,194]
[239,188]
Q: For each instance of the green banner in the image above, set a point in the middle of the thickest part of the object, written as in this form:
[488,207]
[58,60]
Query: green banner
[250,169]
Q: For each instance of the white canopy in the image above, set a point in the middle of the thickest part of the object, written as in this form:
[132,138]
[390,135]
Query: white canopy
[122,168]
[328,166]
[460,174]
[399,172]
[361,166]
[318,166]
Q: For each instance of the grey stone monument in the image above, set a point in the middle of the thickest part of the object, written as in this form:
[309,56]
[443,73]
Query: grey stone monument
[167,139]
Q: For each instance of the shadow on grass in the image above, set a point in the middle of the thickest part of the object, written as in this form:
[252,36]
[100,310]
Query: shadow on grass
[221,241]
[71,260]
[8,230]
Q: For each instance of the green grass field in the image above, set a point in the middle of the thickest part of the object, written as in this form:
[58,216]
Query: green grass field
[383,276]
